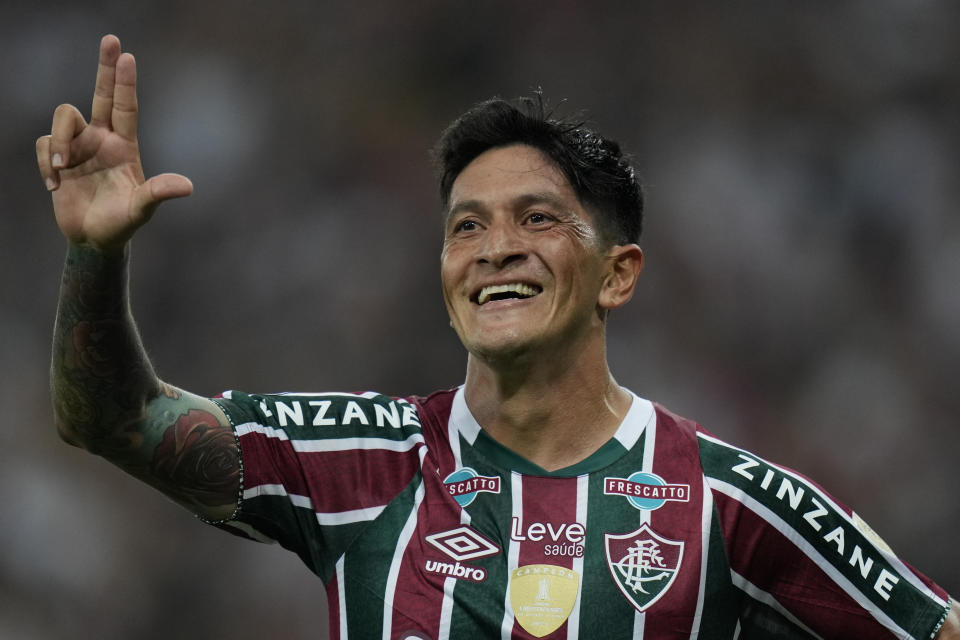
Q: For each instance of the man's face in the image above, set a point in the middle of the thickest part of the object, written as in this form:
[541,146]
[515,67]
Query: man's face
[522,263]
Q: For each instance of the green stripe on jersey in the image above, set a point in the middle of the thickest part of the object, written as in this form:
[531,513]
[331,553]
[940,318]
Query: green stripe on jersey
[722,601]
[297,529]
[763,621]
[367,563]
[508,459]
[480,606]
[602,606]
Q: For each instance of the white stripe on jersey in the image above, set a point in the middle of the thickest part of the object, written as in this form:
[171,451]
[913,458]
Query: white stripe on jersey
[332,444]
[759,594]
[334,394]
[513,555]
[446,610]
[801,542]
[903,571]
[573,621]
[450,583]
[454,428]
[256,427]
[461,420]
[649,443]
[323,518]
[639,620]
[639,415]
[349,517]
[390,591]
[351,444]
[342,598]
[706,517]
[250,531]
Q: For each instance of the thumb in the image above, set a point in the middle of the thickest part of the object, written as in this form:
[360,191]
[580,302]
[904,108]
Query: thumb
[165,186]
[168,185]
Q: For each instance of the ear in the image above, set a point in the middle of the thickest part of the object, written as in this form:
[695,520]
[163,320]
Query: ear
[624,264]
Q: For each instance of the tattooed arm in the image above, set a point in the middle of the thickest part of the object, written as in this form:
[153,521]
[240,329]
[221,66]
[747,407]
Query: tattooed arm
[106,395]
[108,400]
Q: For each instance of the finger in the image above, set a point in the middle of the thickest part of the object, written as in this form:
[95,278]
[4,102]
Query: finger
[123,117]
[106,74]
[50,177]
[67,124]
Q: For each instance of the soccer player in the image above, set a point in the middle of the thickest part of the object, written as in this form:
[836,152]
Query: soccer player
[538,499]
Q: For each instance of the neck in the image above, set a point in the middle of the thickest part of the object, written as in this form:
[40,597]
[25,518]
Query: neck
[554,409]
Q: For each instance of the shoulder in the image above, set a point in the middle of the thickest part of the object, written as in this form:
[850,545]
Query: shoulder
[728,468]
[676,436]
[435,407]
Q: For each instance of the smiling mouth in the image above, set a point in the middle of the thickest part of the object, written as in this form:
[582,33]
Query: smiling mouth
[512,291]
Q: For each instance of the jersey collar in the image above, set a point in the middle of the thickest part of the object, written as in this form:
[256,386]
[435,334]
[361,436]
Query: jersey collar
[464,425]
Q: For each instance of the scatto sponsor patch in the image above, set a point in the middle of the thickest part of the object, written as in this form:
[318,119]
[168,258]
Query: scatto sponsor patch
[464,484]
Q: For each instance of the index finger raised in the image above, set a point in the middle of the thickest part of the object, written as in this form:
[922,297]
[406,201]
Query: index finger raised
[106,78]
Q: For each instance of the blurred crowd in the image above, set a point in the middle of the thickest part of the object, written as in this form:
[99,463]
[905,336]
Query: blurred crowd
[802,242]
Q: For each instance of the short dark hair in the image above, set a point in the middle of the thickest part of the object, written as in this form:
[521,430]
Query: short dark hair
[600,175]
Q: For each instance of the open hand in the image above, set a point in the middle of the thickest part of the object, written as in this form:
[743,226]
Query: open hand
[100,196]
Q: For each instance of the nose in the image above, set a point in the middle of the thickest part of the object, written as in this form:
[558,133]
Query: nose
[502,244]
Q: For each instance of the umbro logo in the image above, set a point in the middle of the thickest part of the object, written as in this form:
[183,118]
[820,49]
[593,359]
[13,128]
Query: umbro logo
[463,543]
[460,544]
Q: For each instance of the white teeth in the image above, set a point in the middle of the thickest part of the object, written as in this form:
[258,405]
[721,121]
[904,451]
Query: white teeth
[522,290]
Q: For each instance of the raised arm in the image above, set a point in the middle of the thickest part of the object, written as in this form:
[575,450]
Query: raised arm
[106,396]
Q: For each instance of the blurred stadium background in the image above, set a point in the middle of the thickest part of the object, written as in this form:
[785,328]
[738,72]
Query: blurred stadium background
[802,242]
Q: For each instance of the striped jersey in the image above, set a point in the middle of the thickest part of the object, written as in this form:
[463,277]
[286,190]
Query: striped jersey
[422,526]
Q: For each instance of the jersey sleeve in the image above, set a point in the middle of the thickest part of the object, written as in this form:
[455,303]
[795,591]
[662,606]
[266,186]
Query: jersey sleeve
[807,565]
[317,468]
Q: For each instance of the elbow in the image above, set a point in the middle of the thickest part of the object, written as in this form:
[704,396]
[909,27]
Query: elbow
[70,430]
[67,434]
[74,420]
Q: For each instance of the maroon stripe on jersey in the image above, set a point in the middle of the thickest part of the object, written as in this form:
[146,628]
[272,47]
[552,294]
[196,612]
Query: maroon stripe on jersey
[434,412]
[549,510]
[548,521]
[308,474]
[676,459]
[758,552]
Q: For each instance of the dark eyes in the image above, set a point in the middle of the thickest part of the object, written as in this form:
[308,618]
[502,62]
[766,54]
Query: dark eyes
[537,217]
[533,218]
[465,225]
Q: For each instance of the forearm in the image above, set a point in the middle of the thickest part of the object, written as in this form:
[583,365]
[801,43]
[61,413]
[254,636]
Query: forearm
[101,378]
[108,399]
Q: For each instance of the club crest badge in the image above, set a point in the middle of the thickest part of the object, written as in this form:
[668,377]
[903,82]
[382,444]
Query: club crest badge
[644,564]
[542,597]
